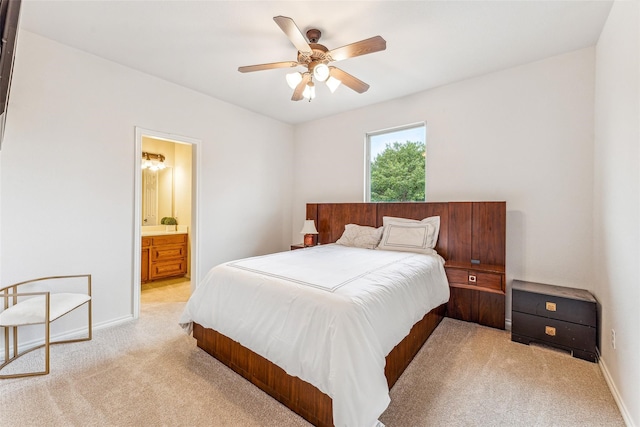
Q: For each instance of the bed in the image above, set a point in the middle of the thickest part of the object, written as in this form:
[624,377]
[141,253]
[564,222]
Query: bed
[328,330]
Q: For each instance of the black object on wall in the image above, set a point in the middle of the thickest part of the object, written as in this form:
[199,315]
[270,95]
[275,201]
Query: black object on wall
[9,15]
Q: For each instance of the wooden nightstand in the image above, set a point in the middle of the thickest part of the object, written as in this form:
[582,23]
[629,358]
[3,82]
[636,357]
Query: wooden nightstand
[298,246]
[477,293]
[560,317]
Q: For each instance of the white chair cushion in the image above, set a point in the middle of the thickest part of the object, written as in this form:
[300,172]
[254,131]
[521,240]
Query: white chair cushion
[32,311]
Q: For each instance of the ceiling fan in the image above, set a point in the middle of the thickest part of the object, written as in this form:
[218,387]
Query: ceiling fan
[315,58]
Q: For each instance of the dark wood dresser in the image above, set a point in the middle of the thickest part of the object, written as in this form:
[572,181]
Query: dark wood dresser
[565,318]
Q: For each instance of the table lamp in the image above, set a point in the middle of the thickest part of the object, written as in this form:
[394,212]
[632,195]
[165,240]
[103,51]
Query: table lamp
[308,229]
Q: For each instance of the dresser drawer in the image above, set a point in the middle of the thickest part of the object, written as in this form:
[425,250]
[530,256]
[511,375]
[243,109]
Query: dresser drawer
[168,252]
[146,241]
[474,278]
[555,332]
[455,275]
[487,280]
[555,307]
[169,239]
[168,269]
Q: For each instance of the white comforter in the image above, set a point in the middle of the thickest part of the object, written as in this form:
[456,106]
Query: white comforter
[328,315]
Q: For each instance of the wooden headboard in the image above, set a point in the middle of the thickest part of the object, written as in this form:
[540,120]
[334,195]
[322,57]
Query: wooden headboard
[470,232]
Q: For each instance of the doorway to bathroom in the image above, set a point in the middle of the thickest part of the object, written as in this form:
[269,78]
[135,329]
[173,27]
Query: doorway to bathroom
[165,231]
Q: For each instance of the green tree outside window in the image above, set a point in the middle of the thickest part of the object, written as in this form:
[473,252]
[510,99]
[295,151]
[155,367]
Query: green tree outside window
[398,173]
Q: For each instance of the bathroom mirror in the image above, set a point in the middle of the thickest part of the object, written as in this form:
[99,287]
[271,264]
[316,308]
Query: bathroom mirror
[157,195]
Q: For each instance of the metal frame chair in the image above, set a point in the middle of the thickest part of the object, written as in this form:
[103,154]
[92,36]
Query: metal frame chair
[23,306]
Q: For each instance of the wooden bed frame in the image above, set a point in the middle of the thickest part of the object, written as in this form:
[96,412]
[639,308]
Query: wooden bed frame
[459,221]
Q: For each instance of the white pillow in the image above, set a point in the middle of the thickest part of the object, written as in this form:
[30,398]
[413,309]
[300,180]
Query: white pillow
[360,236]
[433,220]
[407,237]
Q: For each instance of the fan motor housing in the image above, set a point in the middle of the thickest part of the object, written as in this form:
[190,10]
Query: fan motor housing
[318,54]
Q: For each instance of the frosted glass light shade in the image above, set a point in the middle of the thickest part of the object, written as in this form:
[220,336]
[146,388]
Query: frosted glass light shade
[333,83]
[309,91]
[321,72]
[293,79]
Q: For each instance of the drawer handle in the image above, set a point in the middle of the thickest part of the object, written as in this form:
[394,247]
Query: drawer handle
[472,278]
[550,330]
[550,306]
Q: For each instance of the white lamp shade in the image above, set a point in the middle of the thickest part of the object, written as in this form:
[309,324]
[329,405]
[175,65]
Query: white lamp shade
[309,227]
[293,79]
[333,83]
[309,91]
[321,72]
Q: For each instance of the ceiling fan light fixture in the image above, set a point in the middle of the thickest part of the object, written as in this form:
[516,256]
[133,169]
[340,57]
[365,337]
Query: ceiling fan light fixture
[333,83]
[321,72]
[293,79]
[315,58]
[309,91]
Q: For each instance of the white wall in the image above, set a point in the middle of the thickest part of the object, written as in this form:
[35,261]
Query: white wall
[523,135]
[67,171]
[617,202]
[184,187]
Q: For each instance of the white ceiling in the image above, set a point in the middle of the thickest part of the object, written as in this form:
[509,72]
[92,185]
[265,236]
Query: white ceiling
[200,44]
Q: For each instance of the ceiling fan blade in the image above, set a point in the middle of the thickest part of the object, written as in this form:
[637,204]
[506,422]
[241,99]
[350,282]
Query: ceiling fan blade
[292,31]
[363,47]
[348,80]
[270,66]
[297,93]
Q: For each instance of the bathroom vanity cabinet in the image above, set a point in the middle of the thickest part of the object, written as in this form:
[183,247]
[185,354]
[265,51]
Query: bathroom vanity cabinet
[164,256]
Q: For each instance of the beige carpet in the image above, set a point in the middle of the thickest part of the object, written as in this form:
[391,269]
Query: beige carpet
[470,375]
[149,373]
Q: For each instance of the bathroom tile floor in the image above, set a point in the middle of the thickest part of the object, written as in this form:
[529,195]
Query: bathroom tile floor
[169,290]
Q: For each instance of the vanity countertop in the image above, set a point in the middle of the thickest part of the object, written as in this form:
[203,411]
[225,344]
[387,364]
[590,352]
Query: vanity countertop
[161,233]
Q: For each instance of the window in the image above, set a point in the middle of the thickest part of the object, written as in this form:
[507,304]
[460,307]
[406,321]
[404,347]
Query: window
[396,164]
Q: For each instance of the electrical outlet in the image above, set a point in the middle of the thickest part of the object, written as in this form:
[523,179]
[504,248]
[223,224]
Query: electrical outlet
[613,339]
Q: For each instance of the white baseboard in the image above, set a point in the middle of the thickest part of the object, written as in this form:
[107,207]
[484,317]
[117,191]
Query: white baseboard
[614,391]
[112,322]
[69,335]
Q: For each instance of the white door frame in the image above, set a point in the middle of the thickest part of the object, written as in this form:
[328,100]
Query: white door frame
[137,214]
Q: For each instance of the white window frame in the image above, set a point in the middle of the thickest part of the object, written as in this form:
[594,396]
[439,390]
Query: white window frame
[367,155]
